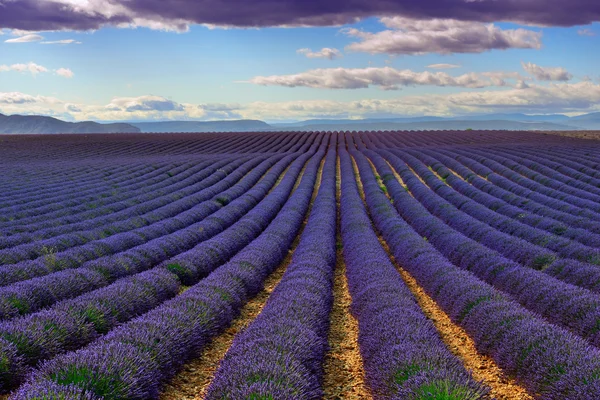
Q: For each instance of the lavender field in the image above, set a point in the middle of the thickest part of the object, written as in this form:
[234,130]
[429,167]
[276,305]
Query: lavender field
[300,265]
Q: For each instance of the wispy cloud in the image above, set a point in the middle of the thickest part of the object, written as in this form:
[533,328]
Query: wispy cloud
[325,52]
[443,66]
[25,39]
[35,69]
[441,36]
[65,41]
[586,32]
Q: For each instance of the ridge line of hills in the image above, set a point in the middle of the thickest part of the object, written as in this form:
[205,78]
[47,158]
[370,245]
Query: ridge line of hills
[36,124]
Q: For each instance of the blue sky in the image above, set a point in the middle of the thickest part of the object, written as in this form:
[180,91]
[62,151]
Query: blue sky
[115,73]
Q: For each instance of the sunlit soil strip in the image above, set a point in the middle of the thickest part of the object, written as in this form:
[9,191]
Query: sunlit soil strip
[193,381]
[396,175]
[344,373]
[195,378]
[483,368]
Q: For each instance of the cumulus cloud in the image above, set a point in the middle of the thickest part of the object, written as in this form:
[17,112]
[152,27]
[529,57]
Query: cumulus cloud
[143,103]
[72,108]
[31,67]
[561,97]
[442,36]
[64,41]
[547,73]
[443,66]
[25,39]
[386,78]
[64,72]
[177,14]
[325,52]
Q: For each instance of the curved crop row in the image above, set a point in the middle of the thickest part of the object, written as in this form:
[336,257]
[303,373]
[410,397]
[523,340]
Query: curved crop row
[132,362]
[31,295]
[280,354]
[403,353]
[547,360]
[572,307]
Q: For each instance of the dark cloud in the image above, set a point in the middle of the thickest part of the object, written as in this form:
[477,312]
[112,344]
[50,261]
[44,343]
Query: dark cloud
[443,36]
[174,14]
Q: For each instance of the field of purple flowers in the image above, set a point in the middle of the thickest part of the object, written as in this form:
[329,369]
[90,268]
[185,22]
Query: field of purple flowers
[125,259]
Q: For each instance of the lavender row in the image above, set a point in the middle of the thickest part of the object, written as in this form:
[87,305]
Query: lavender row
[84,213]
[31,295]
[511,247]
[136,358]
[572,307]
[587,208]
[403,354]
[475,218]
[464,181]
[280,354]
[537,168]
[78,180]
[574,160]
[510,186]
[49,203]
[73,323]
[198,262]
[555,182]
[139,217]
[91,204]
[100,318]
[549,361]
[74,257]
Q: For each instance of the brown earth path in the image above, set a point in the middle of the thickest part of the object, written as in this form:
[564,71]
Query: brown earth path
[483,368]
[192,382]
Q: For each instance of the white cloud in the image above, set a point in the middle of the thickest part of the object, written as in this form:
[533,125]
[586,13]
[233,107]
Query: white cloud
[143,103]
[547,73]
[325,52]
[64,72]
[443,66]
[65,41]
[386,78]
[442,36]
[25,39]
[577,97]
[31,67]
[586,32]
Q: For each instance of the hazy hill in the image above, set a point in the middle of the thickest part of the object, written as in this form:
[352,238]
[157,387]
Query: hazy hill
[587,121]
[244,125]
[435,125]
[557,122]
[32,124]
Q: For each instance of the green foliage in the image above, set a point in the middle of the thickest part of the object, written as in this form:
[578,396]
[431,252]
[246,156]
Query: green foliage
[444,390]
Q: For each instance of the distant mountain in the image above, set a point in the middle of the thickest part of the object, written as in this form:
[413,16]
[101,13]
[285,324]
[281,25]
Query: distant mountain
[587,121]
[38,124]
[34,124]
[355,121]
[436,125]
[244,125]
